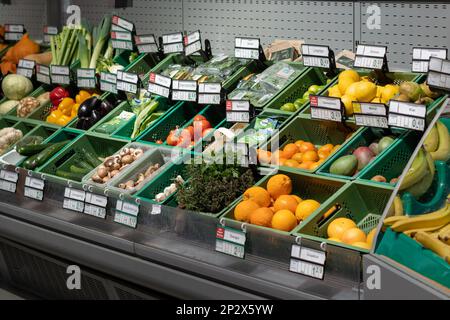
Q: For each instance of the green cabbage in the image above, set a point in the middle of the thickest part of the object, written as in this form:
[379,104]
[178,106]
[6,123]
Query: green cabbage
[16,87]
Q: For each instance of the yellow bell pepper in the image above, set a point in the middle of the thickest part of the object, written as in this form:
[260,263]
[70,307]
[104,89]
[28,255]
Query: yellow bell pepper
[63,120]
[74,112]
[82,96]
[54,116]
[66,106]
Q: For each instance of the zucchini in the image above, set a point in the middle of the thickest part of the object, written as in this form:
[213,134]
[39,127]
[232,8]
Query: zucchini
[69,175]
[45,155]
[31,162]
[90,158]
[74,169]
[85,165]
[32,149]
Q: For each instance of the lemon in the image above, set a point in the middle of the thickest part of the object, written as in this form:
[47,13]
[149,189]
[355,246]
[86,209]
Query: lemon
[344,83]
[348,104]
[351,74]
[367,91]
[334,92]
[353,89]
[389,92]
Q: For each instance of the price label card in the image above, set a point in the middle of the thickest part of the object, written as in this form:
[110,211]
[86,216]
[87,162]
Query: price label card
[127,81]
[308,254]
[9,176]
[439,74]
[49,31]
[246,48]
[60,74]
[108,82]
[184,90]
[370,57]
[192,43]
[33,193]
[230,241]
[371,115]
[159,85]
[421,58]
[34,188]
[306,268]
[86,78]
[122,23]
[92,210]
[407,115]
[316,56]
[75,194]
[14,32]
[122,40]
[209,93]
[96,199]
[156,209]
[173,43]
[126,213]
[238,111]
[73,205]
[326,108]
[146,43]
[26,68]
[43,74]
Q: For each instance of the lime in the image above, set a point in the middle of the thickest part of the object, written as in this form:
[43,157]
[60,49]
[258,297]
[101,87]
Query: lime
[314,89]
[288,107]
[306,95]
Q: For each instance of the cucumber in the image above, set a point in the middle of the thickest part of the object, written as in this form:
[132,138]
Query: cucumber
[85,165]
[74,169]
[45,155]
[90,158]
[32,149]
[69,175]
[31,162]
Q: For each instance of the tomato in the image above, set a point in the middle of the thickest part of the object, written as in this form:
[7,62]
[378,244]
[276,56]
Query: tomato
[191,131]
[159,141]
[184,141]
[199,117]
[206,132]
[178,136]
[172,138]
[199,127]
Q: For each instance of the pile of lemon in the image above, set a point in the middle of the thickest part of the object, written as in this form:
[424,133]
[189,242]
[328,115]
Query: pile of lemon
[351,87]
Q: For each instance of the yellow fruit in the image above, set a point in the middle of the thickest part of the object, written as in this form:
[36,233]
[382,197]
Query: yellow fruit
[365,79]
[310,156]
[362,245]
[305,165]
[344,83]
[307,146]
[353,235]
[371,236]
[348,104]
[334,92]
[297,198]
[323,154]
[289,150]
[367,91]
[334,239]
[259,195]
[379,91]
[284,220]
[335,148]
[376,100]
[389,92]
[244,209]
[305,208]
[285,202]
[291,163]
[262,217]
[315,165]
[278,185]
[326,147]
[298,143]
[338,226]
[352,74]
[264,156]
[297,157]
[353,89]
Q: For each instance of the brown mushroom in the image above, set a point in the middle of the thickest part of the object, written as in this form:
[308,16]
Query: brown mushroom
[96,178]
[127,159]
[102,172]
[114,173]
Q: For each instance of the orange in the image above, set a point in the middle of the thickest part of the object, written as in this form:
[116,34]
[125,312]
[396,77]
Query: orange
[289,150]
[264,156]
[297,157]
[244,209]
[305,208]
[281,161]
[371,236]
[305,165]
[353,235]
[334,239]
[298,143]
[285,202]
[323,154]
[314,165]
[335,148]
[297,198]
[326,148]
[362,245]
[259,195]
[273,209]
[338,226]
[307,146]
[279,185]
[291,163]
[310,156]
[284,220]
[262,217]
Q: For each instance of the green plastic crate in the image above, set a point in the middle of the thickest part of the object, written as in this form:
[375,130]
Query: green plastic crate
[73,153]
[305,185]
[364,137]
[392,163]
[361,202]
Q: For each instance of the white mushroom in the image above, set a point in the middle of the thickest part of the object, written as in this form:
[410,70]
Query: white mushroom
[160,197]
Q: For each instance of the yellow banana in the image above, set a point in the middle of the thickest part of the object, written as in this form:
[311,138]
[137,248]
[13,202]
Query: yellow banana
[435,219]
[443,151]
[438,247]
[417,171]
[444,234]
[432,140]
[398,206]
[391,220]
[421,187]
[411,233]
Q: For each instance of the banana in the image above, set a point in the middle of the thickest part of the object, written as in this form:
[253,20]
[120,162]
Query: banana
[444,234]
[443,151]
[398,206]
[416,172]
[432,140]
[421,187]
[391,220]
[411,233]
[435,219]
[438,247]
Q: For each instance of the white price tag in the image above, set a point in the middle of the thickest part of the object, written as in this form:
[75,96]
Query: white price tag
[123,23]
[158,90]
[8,186]
[97,200]
[173,48]
[407,115]
[192,43]
[125,219]
[184,90]
[326,108]
[209,93]
[368,62]
[234,116]
[9,176]
[26,68]
[307,254]
[123,45]
[173,38]
[371,121]
[95,211]
[123,36]
[307,269]
[127,81]
[316,56]
[319,62]
[184,96]
[421,57]
[156,209]
[210,88]
[159,85]
[60,74]
[231,249]
[74,205]
[14,28]
[127,207]
[439,73]
[326,114]
[43,74]
[108,82]
[146,43]
[230,241]
[242,53]
[35,183]
[209,98]
[34,193]
[246,48]
[49,31]
[238,111]
[75,194]
[370,115]
[86,78]
[370,57]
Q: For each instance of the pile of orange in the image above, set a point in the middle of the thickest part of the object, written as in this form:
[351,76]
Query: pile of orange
[300,154]
[344,230]
[274,206]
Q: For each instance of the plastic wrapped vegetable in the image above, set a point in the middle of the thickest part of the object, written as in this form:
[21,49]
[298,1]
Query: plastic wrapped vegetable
[27,106]
[8,137]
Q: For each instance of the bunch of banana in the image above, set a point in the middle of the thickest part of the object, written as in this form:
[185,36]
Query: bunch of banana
[437,143]
[419,177]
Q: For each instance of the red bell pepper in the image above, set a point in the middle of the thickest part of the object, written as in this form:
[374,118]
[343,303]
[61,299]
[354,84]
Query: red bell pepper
[57,95]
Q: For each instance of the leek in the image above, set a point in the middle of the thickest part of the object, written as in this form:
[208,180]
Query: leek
[83,51]
[101,37]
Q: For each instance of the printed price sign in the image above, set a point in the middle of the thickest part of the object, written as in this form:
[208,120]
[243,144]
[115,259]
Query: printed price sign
[74,199]
[122,40]
[439,74]
[192,43]
[73,205]
[34,188]
[126,213]
[421,58]
[146,43]
[307,261]
[173,43]
[230,241]
[49,31]
[407,115]
[14,32]
[184,90]
[238,111]
[246,48]
[209,93]
[127,81]
[95,205]
[159,85]
[60,74]
[108,82]
[371,115]
[26,68]
[370,57]
[316,56]
[326,108]
[86,78]
[8,181]
[122,23]
[43,74]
